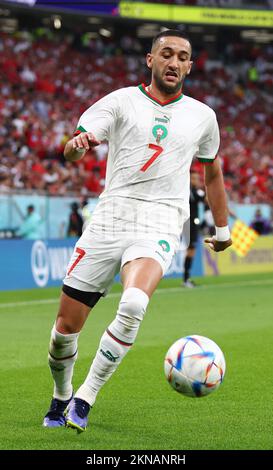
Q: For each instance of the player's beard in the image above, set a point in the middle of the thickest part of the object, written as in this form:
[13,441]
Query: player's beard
[168,89]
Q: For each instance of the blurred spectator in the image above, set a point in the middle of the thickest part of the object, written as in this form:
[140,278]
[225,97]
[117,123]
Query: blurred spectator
[30,228]
[260,223]
[75,223]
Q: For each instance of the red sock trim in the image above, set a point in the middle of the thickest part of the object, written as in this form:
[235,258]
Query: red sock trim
[62,358]
[118,340]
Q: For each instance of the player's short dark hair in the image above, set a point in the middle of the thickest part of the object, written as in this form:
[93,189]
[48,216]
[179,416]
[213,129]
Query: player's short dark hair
[171,32]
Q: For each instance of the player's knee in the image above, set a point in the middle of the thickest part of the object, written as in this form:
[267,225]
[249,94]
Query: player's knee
[133,304]
[65,326]
[62,346]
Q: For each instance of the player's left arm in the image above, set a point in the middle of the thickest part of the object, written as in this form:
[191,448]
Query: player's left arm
[217,200]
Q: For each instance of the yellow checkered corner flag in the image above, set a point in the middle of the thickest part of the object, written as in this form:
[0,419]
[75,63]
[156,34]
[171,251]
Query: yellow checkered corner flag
[242,237]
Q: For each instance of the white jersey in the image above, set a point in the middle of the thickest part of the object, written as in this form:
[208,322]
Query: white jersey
[151,147]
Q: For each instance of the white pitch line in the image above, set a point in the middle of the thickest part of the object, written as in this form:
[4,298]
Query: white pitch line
[179,290]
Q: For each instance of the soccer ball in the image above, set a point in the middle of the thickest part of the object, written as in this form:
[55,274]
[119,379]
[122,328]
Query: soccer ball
[195,366]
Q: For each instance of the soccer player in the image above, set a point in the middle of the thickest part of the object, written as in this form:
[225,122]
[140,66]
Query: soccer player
[196,195]
[153,133]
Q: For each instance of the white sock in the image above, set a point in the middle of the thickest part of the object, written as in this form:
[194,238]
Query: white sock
[61,358]
[115,343]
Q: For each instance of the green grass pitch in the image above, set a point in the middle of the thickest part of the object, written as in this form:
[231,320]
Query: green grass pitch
[137,409]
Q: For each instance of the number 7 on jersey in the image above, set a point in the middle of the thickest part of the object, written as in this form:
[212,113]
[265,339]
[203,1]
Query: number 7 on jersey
[158,151]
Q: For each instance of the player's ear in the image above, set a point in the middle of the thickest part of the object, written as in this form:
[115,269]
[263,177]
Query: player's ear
[149,60]
[189,69]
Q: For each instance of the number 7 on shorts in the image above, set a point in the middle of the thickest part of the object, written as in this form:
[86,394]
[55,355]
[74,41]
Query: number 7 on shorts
[77,260]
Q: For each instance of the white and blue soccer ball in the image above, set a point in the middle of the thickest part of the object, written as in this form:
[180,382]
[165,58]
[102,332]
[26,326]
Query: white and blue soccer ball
[195,366]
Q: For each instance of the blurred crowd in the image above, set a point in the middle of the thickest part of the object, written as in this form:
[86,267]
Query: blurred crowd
[47,82]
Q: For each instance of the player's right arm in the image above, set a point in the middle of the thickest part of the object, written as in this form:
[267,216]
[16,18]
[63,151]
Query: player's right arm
[217,200]
[76,148]
[94,126]
[214,183]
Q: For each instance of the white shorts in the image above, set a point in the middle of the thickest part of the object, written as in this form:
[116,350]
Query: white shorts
[97,259]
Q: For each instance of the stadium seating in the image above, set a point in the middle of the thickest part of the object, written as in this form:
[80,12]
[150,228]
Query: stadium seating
[47,82]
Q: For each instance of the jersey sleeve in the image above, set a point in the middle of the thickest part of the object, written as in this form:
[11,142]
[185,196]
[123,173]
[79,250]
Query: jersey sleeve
[209,142]
[100,117]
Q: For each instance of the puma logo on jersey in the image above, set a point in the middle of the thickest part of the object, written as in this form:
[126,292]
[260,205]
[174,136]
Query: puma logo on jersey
[162,120]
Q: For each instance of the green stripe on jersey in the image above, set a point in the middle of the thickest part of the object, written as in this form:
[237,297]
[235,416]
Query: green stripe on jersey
[206,160]
[82,129]
[171,101]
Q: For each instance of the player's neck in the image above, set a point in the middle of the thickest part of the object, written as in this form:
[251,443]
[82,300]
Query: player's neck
[153,90]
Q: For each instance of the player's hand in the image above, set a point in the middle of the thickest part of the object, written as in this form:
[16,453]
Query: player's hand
[85,141]
[215,245]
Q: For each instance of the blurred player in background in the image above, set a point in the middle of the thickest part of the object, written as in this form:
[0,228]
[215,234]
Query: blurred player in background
[86,214]
[208,225]
[75,221]
[196,195]
[153,133]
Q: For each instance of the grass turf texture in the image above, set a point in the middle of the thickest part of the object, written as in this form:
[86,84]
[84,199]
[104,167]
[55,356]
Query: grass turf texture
[137,409]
